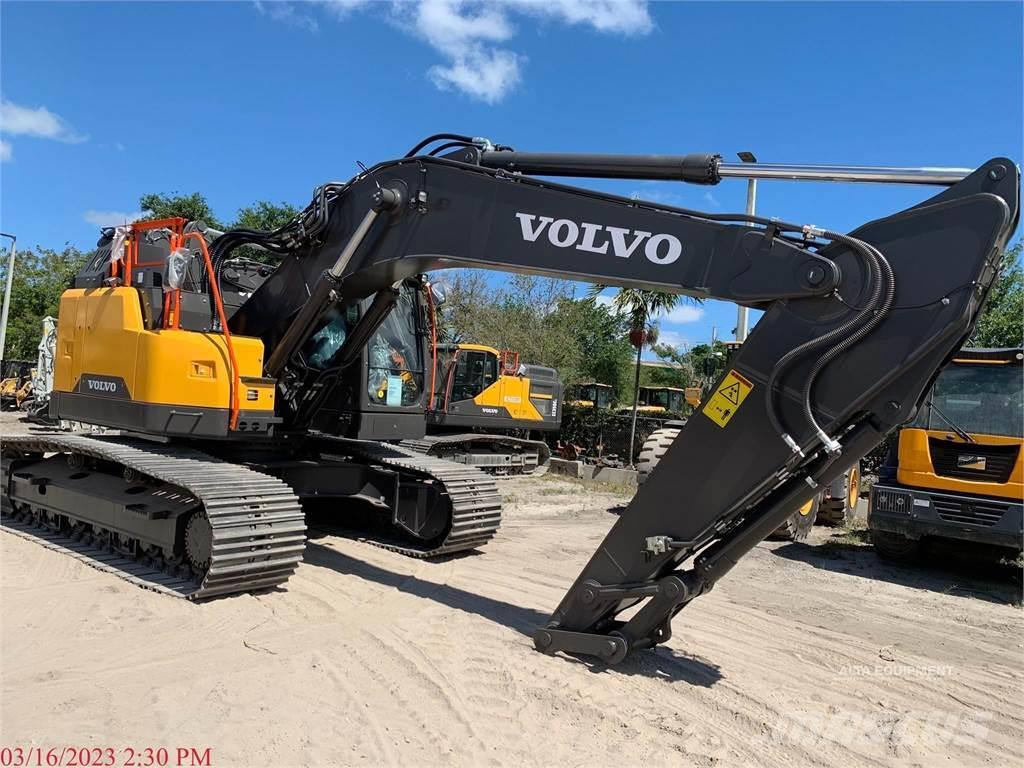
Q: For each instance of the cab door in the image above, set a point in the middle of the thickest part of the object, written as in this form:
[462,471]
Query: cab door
[474,371]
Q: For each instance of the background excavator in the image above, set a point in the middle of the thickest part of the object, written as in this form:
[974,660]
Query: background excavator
[473,386]
[236,412]
[592,394]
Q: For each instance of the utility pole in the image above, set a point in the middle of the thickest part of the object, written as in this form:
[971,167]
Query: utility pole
[742,319]
[7,293]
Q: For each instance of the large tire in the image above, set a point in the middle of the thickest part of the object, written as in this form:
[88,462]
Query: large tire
[799,524]
[893,546]
[654,448]
[841,510]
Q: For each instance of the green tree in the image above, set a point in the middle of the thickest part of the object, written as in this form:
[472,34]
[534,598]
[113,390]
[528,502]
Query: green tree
[679,374]
[264,215]
[192,207]
[40,276]
[540,319]
[599,339]
[1002,320]
[640,309]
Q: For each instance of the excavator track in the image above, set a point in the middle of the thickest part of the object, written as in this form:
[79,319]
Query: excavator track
[523,456]
[475,501]
[250,525]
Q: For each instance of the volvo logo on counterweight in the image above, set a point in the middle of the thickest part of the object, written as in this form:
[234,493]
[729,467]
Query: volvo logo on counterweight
[105,386]
[598,238]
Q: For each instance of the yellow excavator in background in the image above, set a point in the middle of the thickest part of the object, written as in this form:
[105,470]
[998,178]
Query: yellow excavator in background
[592,394]
[483,406]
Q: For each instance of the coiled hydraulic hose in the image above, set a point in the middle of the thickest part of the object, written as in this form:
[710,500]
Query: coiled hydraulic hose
[847,334]
[887,284]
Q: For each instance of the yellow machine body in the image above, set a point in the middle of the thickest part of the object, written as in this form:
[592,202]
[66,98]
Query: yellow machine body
[513,394]
[477,391]
[112,370]
[917,468]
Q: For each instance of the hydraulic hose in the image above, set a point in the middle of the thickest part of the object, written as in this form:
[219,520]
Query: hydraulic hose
[867,254]
[887,284]
[438,137]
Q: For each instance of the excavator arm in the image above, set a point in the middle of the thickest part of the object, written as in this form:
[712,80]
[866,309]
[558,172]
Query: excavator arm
[856,327]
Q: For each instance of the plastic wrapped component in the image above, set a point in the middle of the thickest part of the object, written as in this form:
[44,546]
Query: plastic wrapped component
[177,267]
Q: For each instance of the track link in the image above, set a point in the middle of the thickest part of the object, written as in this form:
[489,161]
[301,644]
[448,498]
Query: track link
[476,503]
[257,526]
[525,457]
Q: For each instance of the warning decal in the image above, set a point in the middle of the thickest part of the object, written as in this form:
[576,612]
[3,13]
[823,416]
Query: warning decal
[727,398]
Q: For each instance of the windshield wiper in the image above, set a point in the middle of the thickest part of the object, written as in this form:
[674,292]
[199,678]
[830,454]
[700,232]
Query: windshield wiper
[959,432]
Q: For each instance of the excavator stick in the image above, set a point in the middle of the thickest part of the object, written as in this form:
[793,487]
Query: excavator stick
[730,478]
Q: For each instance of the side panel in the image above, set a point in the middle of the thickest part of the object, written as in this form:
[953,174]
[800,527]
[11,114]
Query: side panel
[110,370]
[512,394]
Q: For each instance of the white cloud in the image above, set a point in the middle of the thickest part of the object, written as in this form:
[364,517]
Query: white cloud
[711,199]
[119,146]
[659,195]
[471,37]
[5,151]
[672,338]
[110,218]
[604,300]
[38,122]
[683,313]
[480,73]
[286,13]
[342,8]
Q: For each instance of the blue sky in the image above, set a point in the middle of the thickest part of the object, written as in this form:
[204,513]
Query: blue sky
[103,102]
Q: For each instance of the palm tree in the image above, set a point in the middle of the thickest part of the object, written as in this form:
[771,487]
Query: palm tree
[640,307]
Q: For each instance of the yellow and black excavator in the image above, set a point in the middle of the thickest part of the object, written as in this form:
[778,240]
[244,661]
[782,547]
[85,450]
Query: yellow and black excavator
[659,400]
[243,392]
[477,387]
[956,472]
[592,394]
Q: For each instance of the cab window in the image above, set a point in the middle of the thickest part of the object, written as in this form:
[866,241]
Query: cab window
[474,372]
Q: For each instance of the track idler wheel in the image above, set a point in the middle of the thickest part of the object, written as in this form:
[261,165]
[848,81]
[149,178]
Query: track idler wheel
[199,542]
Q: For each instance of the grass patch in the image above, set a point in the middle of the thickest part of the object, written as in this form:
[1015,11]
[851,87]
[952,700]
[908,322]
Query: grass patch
[616,489]
[850,538]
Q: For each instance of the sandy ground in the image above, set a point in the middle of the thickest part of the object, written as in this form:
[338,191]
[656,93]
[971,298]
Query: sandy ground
[804,655]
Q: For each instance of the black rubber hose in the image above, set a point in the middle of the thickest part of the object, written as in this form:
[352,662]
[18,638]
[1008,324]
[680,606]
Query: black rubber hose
[438,137]
[449,145]
[889,282]
[864,251]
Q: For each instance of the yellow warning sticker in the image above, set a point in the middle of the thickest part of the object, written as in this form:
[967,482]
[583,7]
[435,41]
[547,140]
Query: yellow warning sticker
[727,398]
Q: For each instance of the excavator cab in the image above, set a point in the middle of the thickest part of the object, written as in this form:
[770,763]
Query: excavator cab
[662,399]
[481,386]
[593,395]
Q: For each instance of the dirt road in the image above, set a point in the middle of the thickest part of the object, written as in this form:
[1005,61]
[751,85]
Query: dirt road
[804,655]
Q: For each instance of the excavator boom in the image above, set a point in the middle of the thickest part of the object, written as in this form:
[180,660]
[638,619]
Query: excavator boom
[855,329]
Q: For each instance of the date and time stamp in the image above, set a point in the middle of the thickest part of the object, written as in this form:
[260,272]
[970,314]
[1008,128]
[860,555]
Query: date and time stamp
[106,757]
